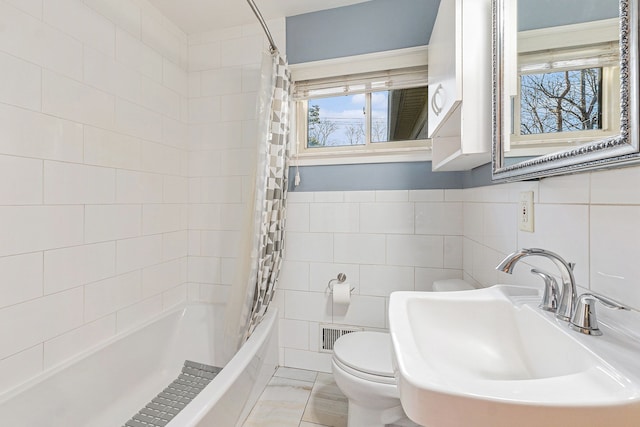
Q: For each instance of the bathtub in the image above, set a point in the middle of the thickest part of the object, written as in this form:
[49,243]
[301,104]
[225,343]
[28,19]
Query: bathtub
[106,386]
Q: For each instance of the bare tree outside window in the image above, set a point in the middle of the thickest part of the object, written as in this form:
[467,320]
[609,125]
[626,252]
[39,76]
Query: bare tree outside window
[561,101]
[319,129]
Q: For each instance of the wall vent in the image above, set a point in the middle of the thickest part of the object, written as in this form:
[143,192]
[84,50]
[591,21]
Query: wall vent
[330,333]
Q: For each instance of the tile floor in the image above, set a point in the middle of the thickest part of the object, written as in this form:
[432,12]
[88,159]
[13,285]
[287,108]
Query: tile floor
[299,398]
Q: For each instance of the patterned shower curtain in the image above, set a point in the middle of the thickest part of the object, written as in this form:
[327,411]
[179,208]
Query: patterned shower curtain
[271,191]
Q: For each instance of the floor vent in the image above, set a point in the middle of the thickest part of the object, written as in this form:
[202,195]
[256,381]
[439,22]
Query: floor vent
[166,405]
[330,333]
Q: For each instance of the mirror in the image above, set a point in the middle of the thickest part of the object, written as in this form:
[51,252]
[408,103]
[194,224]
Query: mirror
[565,86]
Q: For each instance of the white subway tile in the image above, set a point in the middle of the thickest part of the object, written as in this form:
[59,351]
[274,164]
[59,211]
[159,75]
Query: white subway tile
[237,161]
[204,163]
[138,252]
[563,229]
[205,217]
[313,247]
[214,294]
[453,252]
[162,218]
[233,216]
[137,55]
[294,276]
[70,99]
[124,13]
[155,34]
[20,82]
[65,346]
[67,268]
[226,189]
[175,189]
[392,196]
[205,270]
[160,99]
[138,187]
[31,39]
[388,218]
[418,251]
[294,334]
[352,248]
[81,22]
[194,242]
[241,51]
[35,228]
[112,222]
[134,120]
[20,181]
[616,186]
[500,229]
[204,56]
[111,149]
[174,297]
[30,323]
[565,189]
[238,107]
[20,367]
[162,159]
[31,134]
[220,243]
[32,7]
[439,218]
[328,196]
[381,280]
[138,313]
[426,195]
[204,110]
[175,245]
[335,217]
[175,133]
[615,241]
[309,360]
[321,273]
[221,81]
[162,277]
[359,196]
[108,296]
[298,217]
[175,78]
[21,278]
[67,183]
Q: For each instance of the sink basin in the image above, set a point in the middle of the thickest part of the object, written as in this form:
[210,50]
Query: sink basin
[490,357]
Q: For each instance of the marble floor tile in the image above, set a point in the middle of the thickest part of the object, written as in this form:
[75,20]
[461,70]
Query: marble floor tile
[327,405]
[281,404]
[306,424]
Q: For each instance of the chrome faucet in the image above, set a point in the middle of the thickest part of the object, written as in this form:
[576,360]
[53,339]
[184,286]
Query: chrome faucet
[567,298]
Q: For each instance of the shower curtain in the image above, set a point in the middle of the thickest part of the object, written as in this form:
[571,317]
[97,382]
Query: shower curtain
[258,264]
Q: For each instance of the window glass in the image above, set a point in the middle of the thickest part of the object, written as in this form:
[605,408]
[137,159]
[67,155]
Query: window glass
[336,121]
[561,101]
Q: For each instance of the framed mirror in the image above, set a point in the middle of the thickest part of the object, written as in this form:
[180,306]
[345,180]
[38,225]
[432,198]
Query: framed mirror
[565,86]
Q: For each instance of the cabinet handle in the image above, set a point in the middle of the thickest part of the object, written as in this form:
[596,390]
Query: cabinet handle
[437,100]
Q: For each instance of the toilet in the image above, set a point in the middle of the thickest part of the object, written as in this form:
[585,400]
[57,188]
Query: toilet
[363,371]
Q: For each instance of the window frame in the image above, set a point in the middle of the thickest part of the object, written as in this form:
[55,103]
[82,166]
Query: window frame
[338,70]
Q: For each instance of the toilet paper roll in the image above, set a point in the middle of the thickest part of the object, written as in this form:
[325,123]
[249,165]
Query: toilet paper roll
[342,293]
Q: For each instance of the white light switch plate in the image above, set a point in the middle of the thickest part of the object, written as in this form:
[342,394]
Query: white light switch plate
[525,211]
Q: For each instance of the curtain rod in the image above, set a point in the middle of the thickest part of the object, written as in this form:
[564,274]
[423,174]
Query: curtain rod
[256,11]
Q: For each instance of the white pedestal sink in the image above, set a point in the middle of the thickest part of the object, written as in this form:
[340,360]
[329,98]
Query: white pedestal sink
[491,358]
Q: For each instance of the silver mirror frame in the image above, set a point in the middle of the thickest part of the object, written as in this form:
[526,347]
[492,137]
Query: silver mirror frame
[621,150]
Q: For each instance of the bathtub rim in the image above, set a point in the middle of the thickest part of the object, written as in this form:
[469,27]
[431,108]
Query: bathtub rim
[57,368]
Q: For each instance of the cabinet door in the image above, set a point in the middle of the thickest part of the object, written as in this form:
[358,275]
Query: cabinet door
[445,64]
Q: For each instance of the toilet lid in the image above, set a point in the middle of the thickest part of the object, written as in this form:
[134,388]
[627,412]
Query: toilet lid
[366,351]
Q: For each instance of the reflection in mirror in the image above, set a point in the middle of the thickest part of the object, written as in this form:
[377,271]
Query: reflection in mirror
[558,87]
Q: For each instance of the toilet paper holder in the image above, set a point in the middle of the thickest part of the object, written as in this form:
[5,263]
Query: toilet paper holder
[340,279]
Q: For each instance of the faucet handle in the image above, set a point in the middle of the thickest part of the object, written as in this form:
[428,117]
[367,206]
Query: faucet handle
[551,291]
[584,318]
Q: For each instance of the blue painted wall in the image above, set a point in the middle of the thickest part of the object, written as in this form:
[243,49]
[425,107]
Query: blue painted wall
[373,26]
[533,14]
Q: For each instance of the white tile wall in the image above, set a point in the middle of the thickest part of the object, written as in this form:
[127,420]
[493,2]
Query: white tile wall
[372,237]
[93,175]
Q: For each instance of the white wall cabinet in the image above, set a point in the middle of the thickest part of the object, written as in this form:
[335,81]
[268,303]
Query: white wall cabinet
[460,85]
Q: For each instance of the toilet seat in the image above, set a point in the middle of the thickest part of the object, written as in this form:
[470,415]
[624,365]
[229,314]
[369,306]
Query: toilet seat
[366,355]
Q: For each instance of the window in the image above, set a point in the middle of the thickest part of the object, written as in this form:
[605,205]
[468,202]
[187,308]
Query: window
[567,95]
[364,114]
